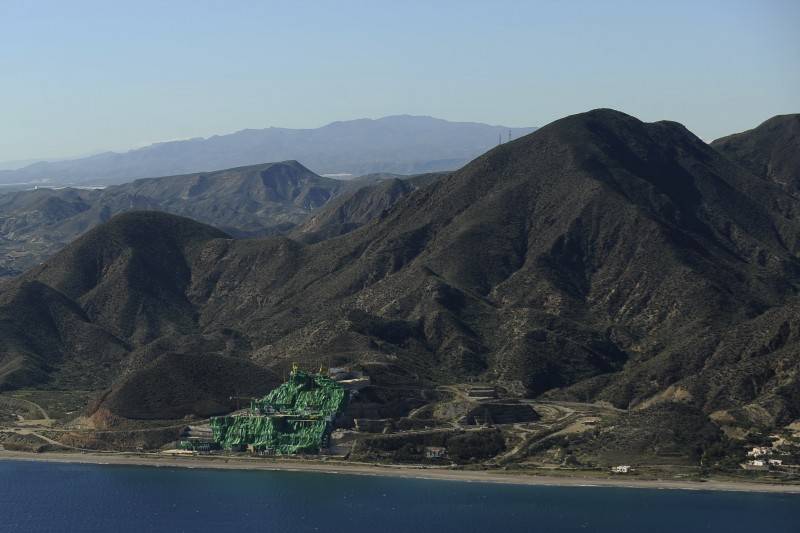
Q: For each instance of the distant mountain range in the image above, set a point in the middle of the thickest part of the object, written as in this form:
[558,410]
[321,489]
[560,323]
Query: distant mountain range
[400,144]
[599,259]
[250,201]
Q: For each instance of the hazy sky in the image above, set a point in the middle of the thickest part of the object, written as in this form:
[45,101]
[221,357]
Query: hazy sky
[78,77]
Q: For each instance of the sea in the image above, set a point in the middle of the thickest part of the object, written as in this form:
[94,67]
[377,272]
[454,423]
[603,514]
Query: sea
[39,496]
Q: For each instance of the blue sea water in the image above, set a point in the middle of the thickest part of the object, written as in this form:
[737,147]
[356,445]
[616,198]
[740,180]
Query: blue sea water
[70,497]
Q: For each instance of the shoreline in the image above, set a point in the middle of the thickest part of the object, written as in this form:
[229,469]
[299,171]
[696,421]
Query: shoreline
[400,471]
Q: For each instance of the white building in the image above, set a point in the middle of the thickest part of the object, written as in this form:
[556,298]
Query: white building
[759,451]
[435,452]
[621,469]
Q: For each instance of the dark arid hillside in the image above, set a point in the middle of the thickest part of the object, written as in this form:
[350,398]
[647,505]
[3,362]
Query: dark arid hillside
[772,150]
[599,259]
[360,205]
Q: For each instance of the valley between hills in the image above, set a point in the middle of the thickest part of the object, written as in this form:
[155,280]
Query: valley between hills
[601,297]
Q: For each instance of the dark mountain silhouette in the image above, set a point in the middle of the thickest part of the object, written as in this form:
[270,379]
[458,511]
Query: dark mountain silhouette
[599,258]
[771,150]
[401,144]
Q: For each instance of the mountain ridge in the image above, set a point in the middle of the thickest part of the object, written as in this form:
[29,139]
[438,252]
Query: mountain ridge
[770,150]
[599,259]
[402,143]
[245,201]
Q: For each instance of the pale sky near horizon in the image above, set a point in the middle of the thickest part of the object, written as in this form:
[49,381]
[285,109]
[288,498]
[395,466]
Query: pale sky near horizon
[84,76]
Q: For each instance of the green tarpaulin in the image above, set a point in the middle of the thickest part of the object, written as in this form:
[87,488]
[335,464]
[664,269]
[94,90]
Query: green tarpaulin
[296,417]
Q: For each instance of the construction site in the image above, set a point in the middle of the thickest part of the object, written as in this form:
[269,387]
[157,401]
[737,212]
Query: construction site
[295,418]
[347,415]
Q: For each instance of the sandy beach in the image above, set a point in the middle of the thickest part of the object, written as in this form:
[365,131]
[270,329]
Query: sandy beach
[415,472]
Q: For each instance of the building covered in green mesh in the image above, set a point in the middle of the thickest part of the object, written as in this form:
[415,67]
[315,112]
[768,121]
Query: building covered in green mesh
[296,417]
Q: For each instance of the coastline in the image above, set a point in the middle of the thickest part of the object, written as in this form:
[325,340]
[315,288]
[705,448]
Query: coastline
[409,472]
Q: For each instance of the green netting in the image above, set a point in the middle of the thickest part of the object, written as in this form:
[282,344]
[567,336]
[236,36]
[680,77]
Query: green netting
[304,394]
[297,417]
